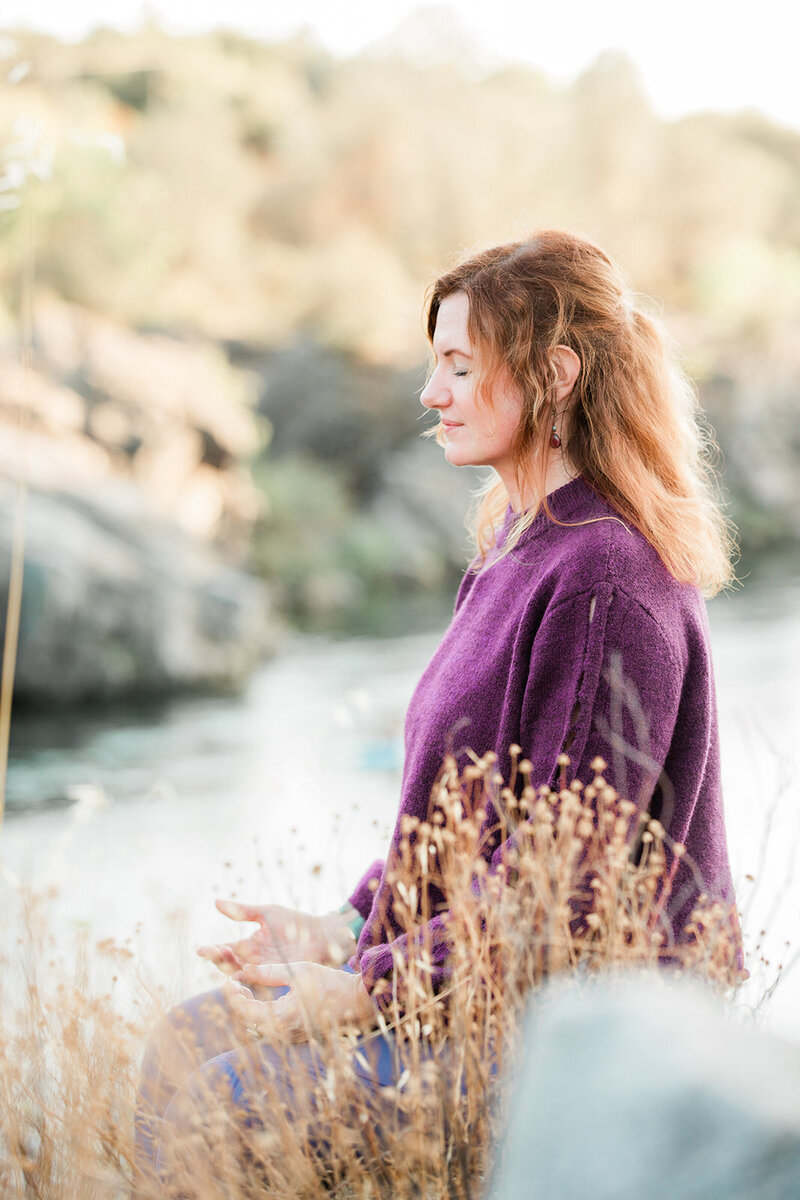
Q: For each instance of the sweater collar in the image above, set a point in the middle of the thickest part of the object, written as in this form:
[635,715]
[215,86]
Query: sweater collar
[573,501]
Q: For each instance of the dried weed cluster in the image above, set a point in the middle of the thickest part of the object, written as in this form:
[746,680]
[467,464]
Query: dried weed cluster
[584,890]
[68,1074]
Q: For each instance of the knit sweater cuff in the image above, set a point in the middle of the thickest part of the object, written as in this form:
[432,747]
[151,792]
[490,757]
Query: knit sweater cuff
[378,965]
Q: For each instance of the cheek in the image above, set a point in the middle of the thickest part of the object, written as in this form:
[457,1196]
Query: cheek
[508,419]
[505,412]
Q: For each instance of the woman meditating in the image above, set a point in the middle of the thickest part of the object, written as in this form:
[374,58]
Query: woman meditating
[579,629]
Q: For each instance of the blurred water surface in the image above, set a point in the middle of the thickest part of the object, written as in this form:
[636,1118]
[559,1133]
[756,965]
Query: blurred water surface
[138,818]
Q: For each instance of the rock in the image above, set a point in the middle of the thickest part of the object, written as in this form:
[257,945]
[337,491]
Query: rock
[117,601]
[332,407]
[134,448]
[103,402]
[634,1088]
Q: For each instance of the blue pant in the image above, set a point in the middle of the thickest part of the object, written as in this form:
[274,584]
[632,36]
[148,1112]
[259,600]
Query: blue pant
[198,1072]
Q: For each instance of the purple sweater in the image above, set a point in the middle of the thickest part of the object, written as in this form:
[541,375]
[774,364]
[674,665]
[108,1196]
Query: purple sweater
[578,640]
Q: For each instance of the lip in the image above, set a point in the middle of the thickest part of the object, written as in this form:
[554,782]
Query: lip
[448,425]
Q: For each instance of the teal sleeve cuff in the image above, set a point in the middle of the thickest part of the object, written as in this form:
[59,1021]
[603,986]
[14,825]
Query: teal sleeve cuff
[357,924]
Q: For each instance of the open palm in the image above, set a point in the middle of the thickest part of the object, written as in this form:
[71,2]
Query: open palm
[283,935]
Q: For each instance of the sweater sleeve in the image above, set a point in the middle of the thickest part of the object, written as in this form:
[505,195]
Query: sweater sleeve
[362,895]
[603,680]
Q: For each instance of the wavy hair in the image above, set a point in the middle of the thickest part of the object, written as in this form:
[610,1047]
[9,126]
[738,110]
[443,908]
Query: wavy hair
[632,426]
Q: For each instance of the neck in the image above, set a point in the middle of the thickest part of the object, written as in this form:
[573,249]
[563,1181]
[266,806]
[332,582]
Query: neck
[525,496]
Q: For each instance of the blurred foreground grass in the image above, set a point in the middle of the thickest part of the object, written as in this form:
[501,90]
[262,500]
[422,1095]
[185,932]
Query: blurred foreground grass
[577,903]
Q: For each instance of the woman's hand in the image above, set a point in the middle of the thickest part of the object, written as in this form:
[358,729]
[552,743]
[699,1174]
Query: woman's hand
[284,935]
[320,997]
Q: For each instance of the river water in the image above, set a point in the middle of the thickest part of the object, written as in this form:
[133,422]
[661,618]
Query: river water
[135,820]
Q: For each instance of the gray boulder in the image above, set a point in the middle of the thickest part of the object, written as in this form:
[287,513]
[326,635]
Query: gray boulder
[635,1089]
[117,601]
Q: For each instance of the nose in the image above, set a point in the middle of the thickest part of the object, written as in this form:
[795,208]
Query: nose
[435,394]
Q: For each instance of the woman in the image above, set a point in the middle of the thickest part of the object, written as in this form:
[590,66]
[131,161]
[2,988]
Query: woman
[579,629]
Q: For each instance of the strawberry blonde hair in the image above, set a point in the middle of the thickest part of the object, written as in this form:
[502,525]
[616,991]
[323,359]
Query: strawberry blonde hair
[632,426]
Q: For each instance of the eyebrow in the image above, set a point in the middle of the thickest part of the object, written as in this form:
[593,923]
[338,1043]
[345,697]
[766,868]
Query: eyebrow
[455,350]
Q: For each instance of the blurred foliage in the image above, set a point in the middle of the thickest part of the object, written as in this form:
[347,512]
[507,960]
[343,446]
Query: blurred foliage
[271,189]
[322,552]
[269,196]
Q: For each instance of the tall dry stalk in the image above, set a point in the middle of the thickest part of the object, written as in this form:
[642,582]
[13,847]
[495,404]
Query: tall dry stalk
[14,604]
[572,899]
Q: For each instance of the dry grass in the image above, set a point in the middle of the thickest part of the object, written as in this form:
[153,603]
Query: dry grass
[577,900]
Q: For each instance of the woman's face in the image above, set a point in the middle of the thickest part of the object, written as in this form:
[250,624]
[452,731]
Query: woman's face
[475,433]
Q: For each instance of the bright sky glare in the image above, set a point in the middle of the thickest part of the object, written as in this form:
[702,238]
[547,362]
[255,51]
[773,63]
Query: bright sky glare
[692,53]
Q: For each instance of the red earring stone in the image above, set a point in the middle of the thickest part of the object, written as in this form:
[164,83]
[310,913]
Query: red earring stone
[555,440]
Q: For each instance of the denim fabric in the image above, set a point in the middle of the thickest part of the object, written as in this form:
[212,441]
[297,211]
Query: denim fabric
[193,1057]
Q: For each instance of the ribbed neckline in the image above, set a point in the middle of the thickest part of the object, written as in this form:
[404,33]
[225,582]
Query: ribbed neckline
[572,500]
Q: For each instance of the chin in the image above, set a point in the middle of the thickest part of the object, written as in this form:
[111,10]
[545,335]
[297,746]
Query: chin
[458,457]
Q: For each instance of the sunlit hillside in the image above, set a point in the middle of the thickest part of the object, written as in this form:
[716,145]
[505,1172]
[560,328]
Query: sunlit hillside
[290,208]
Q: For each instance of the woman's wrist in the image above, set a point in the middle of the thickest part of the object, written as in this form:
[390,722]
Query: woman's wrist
[341,931]
[363,1011]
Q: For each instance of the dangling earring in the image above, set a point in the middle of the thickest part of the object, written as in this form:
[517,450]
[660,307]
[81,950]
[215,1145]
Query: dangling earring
[555,440]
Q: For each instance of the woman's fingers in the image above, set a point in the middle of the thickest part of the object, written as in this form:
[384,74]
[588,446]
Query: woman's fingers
[279,1020]
[268,974]
[214,953]
[304,980]
[223,956]
[249,1010]
[319,997]
[233,956]
[240,912]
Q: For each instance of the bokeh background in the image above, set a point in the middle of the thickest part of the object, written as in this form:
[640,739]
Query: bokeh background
[214,247]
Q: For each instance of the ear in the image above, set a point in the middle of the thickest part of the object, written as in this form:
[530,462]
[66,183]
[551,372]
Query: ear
[568,368]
